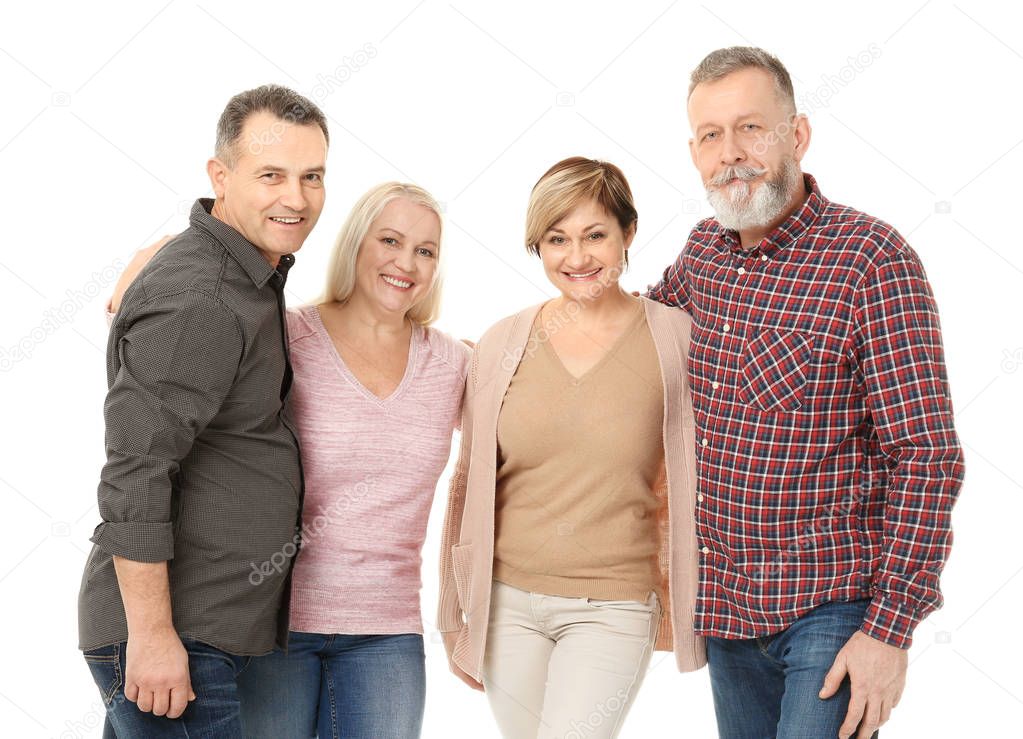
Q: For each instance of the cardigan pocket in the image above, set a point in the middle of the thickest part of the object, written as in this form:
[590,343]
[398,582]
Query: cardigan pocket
[461,560]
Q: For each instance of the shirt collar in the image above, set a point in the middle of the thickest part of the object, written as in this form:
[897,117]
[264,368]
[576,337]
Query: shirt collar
[244,251]
[789,231]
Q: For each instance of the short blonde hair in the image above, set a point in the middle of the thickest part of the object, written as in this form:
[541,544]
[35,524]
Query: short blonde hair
[341,270]
[570,182]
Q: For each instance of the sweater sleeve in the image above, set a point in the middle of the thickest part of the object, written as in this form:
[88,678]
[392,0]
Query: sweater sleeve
[449,612]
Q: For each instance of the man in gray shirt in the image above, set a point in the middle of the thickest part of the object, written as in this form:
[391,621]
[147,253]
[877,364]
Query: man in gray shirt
[201,493]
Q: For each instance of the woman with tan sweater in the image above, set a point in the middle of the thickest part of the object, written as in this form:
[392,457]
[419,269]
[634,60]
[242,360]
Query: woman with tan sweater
[569,550]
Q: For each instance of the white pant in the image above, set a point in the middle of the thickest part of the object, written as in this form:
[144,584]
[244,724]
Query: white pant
[565,668]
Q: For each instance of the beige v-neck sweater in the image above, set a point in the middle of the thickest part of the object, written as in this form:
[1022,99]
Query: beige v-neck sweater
[577,461]
[467,544]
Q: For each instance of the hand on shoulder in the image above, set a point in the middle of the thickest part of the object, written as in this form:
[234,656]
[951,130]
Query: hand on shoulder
[140,260]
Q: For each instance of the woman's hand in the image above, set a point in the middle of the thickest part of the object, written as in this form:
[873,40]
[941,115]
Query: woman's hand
[450,637]
[141,258]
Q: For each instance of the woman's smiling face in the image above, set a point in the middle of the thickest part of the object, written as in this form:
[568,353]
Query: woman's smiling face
[584,253]
[397,262]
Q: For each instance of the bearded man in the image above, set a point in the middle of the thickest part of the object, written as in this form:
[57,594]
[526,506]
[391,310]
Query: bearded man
[827,459]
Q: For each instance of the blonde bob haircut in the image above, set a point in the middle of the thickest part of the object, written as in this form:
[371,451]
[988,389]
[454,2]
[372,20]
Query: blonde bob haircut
[341,270]
[573,181]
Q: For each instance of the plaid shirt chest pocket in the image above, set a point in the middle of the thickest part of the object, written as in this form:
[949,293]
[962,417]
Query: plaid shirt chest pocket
[775,365]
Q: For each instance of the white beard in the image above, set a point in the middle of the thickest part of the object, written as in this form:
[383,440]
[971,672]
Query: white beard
[736,209]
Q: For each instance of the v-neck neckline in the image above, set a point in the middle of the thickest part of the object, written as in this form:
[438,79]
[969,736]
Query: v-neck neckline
[343,368]
[605,357]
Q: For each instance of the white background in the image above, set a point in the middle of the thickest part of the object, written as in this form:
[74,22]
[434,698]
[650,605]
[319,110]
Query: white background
[108,117]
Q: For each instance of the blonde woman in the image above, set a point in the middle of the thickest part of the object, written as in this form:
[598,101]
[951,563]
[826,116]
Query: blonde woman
[569,547]
[375,399]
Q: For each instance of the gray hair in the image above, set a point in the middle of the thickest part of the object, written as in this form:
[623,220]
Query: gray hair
[722,62]
[282,102]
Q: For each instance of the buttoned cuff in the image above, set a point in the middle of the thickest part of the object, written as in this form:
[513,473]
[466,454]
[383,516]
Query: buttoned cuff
[139,541]
[890,622]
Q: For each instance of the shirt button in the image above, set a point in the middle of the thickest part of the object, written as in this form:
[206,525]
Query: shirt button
[699,498]
[726,328]
[741,270]
[715,385]
[704,442]
[763,257]
[706,550]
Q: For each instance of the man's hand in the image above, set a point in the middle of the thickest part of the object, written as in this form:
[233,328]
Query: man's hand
[877,674]
[156,664]
[156,674]
[450,637]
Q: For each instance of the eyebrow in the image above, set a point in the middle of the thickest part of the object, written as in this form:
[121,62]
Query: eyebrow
[741,117]
[282,170]
[394,230]
[592,225]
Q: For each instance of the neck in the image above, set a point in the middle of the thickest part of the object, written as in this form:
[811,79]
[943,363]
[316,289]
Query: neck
[217,211]
[361,316]
[749,238]
[603,309]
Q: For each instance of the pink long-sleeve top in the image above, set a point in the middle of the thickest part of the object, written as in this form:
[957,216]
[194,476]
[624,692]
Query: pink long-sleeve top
[371,466]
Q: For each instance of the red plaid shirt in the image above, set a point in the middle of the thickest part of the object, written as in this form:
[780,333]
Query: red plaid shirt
[826,455]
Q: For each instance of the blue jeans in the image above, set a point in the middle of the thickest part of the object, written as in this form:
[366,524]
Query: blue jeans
[333,685]
[767,687]
[214,714]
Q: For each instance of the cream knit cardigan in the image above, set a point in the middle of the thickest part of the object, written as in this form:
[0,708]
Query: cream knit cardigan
[467,545]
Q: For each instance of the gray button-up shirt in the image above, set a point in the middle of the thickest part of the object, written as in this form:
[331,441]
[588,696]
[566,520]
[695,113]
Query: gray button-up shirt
[202,467]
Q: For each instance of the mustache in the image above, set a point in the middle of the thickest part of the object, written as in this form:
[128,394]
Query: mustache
[740,172]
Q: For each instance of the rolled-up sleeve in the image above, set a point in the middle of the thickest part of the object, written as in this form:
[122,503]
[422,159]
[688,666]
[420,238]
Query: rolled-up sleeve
[175,362]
